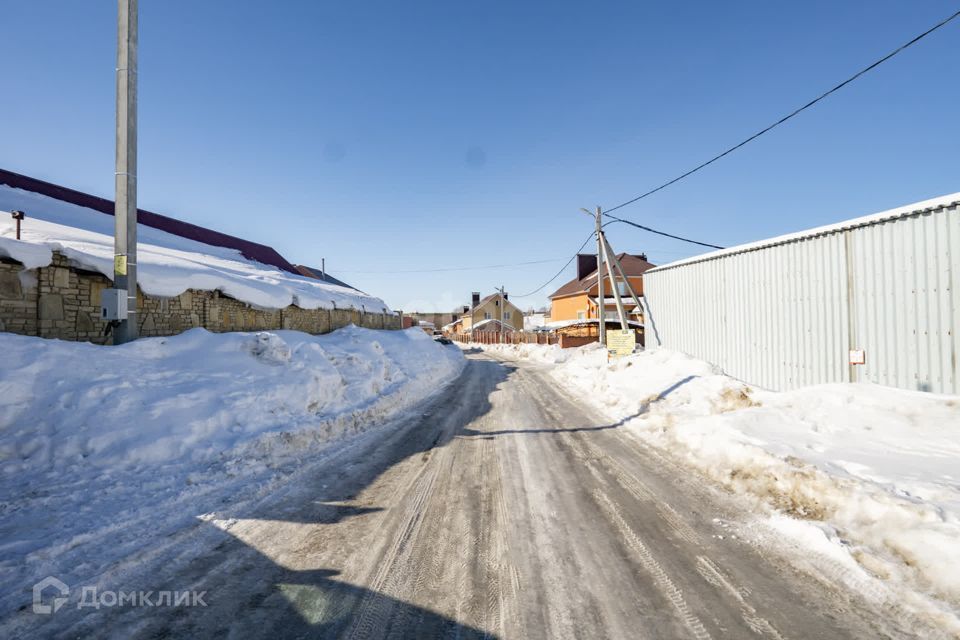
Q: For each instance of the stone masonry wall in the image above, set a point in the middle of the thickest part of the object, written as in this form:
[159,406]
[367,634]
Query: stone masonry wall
[62,301]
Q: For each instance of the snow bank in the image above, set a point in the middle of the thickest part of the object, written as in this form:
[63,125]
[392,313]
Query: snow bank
[876,470]
[102,448]
[167,265]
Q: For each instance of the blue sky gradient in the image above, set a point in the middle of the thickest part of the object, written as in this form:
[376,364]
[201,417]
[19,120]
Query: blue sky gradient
[388,137]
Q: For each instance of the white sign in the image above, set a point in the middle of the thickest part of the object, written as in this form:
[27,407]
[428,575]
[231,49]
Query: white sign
[621,343]
[858,356]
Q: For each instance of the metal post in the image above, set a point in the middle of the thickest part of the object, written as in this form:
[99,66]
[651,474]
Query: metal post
[125,209]
[601,297]
[18,216]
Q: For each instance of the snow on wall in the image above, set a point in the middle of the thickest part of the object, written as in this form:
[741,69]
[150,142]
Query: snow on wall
[168,264]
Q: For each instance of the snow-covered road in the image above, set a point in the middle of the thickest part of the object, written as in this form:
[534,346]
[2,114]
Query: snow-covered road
[502,509]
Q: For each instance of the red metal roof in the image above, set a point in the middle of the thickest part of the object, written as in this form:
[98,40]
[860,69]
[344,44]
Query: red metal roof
[250,250]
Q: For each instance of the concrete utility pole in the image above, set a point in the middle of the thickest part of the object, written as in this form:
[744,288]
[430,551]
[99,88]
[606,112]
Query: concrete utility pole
[623,275]
[601,284]
[125,208]
[500,319]
[601,299]
[611,257]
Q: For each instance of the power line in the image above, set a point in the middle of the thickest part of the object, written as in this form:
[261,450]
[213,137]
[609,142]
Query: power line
[591,236]
[489,266]
[790,115]
[663,233]
[562,269]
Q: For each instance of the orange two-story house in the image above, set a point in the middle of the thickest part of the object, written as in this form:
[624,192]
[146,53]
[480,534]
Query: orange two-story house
[576,300]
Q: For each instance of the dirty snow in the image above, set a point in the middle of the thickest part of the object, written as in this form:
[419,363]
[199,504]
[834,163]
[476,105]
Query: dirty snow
[167,265]
[872,471]
[105,452]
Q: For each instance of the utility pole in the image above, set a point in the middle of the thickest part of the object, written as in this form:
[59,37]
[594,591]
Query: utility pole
[500,319]
[601,299]
[601,293]
[616,263]
[125,208]
[611,257]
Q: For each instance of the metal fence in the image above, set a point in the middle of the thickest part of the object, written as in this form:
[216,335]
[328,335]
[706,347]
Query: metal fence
[799,309]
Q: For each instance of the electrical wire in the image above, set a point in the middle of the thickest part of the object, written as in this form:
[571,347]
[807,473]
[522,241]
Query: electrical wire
[663,233]
[489,266]
[790,115]
[593,235]
[562,269]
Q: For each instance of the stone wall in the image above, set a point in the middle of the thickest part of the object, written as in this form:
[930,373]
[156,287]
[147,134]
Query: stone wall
[62,301]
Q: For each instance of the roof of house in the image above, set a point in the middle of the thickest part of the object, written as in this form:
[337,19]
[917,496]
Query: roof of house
[250,250]
[563,324]
[319,274]
[487,299]
[632,266]
[167,263]
[483,324]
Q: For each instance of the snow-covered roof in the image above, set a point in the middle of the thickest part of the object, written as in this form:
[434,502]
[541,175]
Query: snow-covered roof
[560,324]
[917,208]
[489,321]
[167,264]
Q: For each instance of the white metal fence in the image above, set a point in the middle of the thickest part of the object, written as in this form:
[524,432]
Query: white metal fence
[787,312]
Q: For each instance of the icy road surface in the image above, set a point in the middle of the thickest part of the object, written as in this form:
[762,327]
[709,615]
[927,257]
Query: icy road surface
[502,509]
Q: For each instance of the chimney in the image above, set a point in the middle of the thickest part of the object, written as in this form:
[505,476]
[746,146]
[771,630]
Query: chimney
[643,257]
[474,299]
[506,296]
[586,264]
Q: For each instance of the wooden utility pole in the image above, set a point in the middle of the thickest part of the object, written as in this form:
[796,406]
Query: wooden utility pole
[125,207]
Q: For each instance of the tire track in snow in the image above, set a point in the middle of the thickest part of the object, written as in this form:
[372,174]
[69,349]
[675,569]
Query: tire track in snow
[667,587]
[374,611]
[758,624]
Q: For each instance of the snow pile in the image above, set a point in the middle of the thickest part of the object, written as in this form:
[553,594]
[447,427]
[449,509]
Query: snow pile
[103,447]
[167,265]
[547,354]
[876,470]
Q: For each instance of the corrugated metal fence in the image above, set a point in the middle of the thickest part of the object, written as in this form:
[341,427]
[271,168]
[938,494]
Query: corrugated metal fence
[787,312]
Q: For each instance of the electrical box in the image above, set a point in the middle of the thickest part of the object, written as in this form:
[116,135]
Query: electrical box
[113,304]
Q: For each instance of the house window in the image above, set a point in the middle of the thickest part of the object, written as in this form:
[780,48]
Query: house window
[581,315]
[506,315]
[622,288]
[486,315]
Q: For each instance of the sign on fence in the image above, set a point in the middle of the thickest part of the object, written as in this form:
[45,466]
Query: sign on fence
[621,343]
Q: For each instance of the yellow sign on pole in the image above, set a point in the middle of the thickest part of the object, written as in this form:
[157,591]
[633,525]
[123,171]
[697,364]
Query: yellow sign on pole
[621,343]
[120,264]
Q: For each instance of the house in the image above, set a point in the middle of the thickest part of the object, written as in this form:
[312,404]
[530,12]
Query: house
[497,308]
[577,300]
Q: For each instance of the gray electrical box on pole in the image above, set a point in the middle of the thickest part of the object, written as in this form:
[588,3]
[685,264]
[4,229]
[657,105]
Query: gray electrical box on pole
[125,209]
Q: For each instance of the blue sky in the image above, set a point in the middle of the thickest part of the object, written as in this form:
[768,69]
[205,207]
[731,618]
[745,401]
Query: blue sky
[389,137]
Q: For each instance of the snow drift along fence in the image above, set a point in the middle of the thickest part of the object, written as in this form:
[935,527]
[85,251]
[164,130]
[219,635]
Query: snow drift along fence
[797,310]
[524,337]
